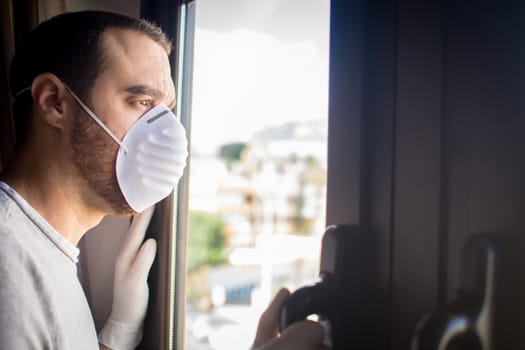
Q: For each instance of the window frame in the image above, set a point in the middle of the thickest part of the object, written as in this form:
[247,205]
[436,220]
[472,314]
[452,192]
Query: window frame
[164,327]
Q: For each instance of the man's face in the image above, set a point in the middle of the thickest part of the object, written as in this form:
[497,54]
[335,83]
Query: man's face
[136,77]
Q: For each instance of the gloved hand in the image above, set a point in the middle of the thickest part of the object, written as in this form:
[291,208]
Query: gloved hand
[303,335]
[123,329]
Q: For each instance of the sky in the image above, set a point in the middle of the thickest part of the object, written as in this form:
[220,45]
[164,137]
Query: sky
[257,63]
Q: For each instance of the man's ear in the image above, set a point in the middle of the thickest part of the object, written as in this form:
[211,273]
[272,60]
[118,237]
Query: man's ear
[49,99]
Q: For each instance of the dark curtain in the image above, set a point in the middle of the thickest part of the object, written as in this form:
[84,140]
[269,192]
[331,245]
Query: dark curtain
[17,17]
[7,47]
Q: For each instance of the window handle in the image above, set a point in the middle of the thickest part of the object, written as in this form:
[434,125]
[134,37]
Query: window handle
[331,298]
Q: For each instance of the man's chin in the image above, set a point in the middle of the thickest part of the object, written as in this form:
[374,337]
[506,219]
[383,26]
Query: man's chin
[115,205]
[123,210]
[130,212]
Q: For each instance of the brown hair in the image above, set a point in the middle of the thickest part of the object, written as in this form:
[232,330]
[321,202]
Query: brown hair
[69,46]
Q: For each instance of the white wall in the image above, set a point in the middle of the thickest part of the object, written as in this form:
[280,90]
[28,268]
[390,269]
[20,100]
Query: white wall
[98,250]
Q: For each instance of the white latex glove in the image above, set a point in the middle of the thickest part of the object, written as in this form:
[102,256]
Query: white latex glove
[123,329]
[302,335]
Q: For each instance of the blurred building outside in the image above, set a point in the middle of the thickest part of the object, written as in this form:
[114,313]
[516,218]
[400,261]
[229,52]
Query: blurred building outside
[272,203]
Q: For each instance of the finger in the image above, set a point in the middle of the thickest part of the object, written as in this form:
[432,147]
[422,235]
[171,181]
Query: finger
[135,234]
[303,335]
[268,326]
[144,259]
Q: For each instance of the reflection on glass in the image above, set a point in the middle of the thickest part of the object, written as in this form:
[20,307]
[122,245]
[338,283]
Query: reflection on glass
[258,164]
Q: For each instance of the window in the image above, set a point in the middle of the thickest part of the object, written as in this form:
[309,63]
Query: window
[257,182]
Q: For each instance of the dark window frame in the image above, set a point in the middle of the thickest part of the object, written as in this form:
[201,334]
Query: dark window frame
[165,321]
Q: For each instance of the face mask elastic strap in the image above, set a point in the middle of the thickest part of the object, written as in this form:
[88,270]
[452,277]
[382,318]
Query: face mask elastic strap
[97,120]
[22,91]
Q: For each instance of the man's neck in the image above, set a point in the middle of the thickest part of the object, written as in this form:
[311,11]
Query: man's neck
[54,194]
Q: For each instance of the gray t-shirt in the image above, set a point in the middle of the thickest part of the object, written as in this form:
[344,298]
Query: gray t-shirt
[42,304]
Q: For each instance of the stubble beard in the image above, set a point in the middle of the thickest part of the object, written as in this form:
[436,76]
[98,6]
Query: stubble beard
[94,155]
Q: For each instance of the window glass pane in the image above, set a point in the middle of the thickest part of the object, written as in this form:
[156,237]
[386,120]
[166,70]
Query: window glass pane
[258,162]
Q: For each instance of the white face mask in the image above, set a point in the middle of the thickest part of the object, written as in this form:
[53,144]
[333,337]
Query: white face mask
[151,158]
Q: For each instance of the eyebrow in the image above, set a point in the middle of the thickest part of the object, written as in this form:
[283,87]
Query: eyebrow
[145,89]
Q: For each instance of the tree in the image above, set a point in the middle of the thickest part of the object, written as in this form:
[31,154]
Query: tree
[206,241]
[232,152]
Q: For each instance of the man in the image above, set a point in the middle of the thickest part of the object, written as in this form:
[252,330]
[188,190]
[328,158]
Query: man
[95,136]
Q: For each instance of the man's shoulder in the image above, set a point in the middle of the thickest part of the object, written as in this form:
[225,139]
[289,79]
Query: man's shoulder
[20,223]
[14,225]
[11,215]
[13,248]
[8,208]
[19,257]
[21,288]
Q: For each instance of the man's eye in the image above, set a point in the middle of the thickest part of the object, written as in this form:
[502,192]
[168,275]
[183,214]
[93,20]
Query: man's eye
[146,103]
[141,104]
